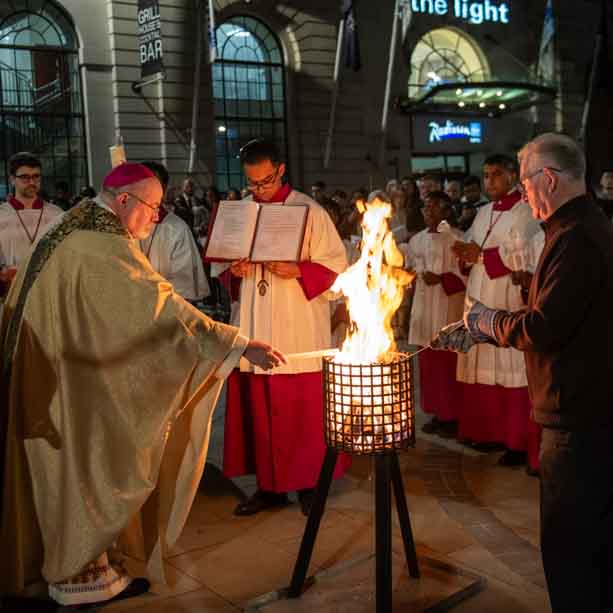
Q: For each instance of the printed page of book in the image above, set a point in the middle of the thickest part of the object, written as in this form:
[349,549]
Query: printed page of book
[231,235]
[279,233]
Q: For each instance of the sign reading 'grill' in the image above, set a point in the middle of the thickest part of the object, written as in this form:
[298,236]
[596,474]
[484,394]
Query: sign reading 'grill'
[149,37]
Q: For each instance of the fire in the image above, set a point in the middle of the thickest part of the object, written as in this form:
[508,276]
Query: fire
[374,288]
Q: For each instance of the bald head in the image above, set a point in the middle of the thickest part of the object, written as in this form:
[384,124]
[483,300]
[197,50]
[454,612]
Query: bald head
[552,172]
[136,204]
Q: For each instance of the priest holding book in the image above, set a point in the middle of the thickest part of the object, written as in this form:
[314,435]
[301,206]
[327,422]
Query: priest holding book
[274,424]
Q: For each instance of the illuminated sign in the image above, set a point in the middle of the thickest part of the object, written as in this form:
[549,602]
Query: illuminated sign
[442,133]
[471,132]
[473,11]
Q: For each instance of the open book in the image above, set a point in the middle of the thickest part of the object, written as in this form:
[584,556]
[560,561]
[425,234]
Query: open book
[244,229]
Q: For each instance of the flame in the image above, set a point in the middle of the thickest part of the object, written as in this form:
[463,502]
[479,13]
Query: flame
[374,288]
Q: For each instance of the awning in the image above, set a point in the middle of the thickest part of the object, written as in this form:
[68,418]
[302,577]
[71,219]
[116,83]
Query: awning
[487,98]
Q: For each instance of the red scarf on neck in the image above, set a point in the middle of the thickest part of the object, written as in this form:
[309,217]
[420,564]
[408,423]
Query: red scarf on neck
[18,205]
[506,203]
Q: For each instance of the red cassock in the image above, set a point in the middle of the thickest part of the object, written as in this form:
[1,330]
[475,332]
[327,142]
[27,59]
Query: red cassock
[274,423]
[494,402]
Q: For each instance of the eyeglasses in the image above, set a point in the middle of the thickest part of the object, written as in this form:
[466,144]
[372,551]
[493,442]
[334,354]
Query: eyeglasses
[264,183]
[522,187]
[147,204]
[26,178]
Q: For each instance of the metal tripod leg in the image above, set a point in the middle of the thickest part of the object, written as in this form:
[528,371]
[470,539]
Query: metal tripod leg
[404,518]
[383,532]
[312,527]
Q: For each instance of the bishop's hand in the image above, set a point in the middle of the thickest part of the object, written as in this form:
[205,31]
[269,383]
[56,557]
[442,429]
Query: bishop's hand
[454,337]
[263,355]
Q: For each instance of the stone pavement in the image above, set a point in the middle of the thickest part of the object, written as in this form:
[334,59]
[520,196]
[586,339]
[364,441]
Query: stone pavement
[465,510]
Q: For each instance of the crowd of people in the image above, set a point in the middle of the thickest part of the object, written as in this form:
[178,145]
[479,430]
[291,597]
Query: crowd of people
[104,302]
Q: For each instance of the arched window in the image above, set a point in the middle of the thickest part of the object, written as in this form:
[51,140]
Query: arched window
[248,91]
[41,108]
[446,55]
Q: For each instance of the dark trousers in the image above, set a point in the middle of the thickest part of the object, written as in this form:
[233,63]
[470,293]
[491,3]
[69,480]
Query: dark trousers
[576,510]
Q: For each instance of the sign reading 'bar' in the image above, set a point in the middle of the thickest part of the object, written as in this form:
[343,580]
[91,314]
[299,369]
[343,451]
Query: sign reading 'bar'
[149,37]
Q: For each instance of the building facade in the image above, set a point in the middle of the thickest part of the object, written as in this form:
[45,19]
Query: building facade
[71,86]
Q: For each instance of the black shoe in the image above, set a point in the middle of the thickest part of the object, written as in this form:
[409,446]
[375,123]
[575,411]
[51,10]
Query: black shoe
[487,447]
[431,427]
[261,501]
[532,472]
[513,458]
[447,429]
[306,497]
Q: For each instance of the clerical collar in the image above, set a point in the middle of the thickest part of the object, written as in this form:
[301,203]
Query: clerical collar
[279,196]
[19,206]
[507,202]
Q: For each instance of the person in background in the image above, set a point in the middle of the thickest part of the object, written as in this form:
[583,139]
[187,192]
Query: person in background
[494,404]
[438,300]
[62,196]
[318,192]
[472,200]
[454,190]
[185,202]
[429,183]
[172,250]
[233,194]
[24,217]
[604,196]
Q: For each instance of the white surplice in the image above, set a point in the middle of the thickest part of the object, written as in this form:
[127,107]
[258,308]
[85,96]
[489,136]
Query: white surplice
[485,363]
[432,307]
[15,244]
[174,254]
[283,316]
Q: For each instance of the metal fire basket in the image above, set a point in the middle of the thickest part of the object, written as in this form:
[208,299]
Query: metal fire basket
[368,408]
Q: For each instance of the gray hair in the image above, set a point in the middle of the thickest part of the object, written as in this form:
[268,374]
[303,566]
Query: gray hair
[561,150]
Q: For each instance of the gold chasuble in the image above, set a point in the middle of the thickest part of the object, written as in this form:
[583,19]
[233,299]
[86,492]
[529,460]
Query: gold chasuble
[109,381]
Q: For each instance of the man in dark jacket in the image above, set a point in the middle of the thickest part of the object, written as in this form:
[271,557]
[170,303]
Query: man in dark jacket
[566,332]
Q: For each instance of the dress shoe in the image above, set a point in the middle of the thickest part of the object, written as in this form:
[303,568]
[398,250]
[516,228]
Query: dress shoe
[487,447]
[447,429]
[261,501]
[431,427]
[306,497]
[532,472]
[512,458]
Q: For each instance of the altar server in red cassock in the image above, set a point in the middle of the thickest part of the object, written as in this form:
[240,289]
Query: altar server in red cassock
[495,407]
[274,425]
[438,301]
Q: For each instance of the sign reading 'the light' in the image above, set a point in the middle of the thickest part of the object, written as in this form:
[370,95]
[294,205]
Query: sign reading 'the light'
[473,11]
